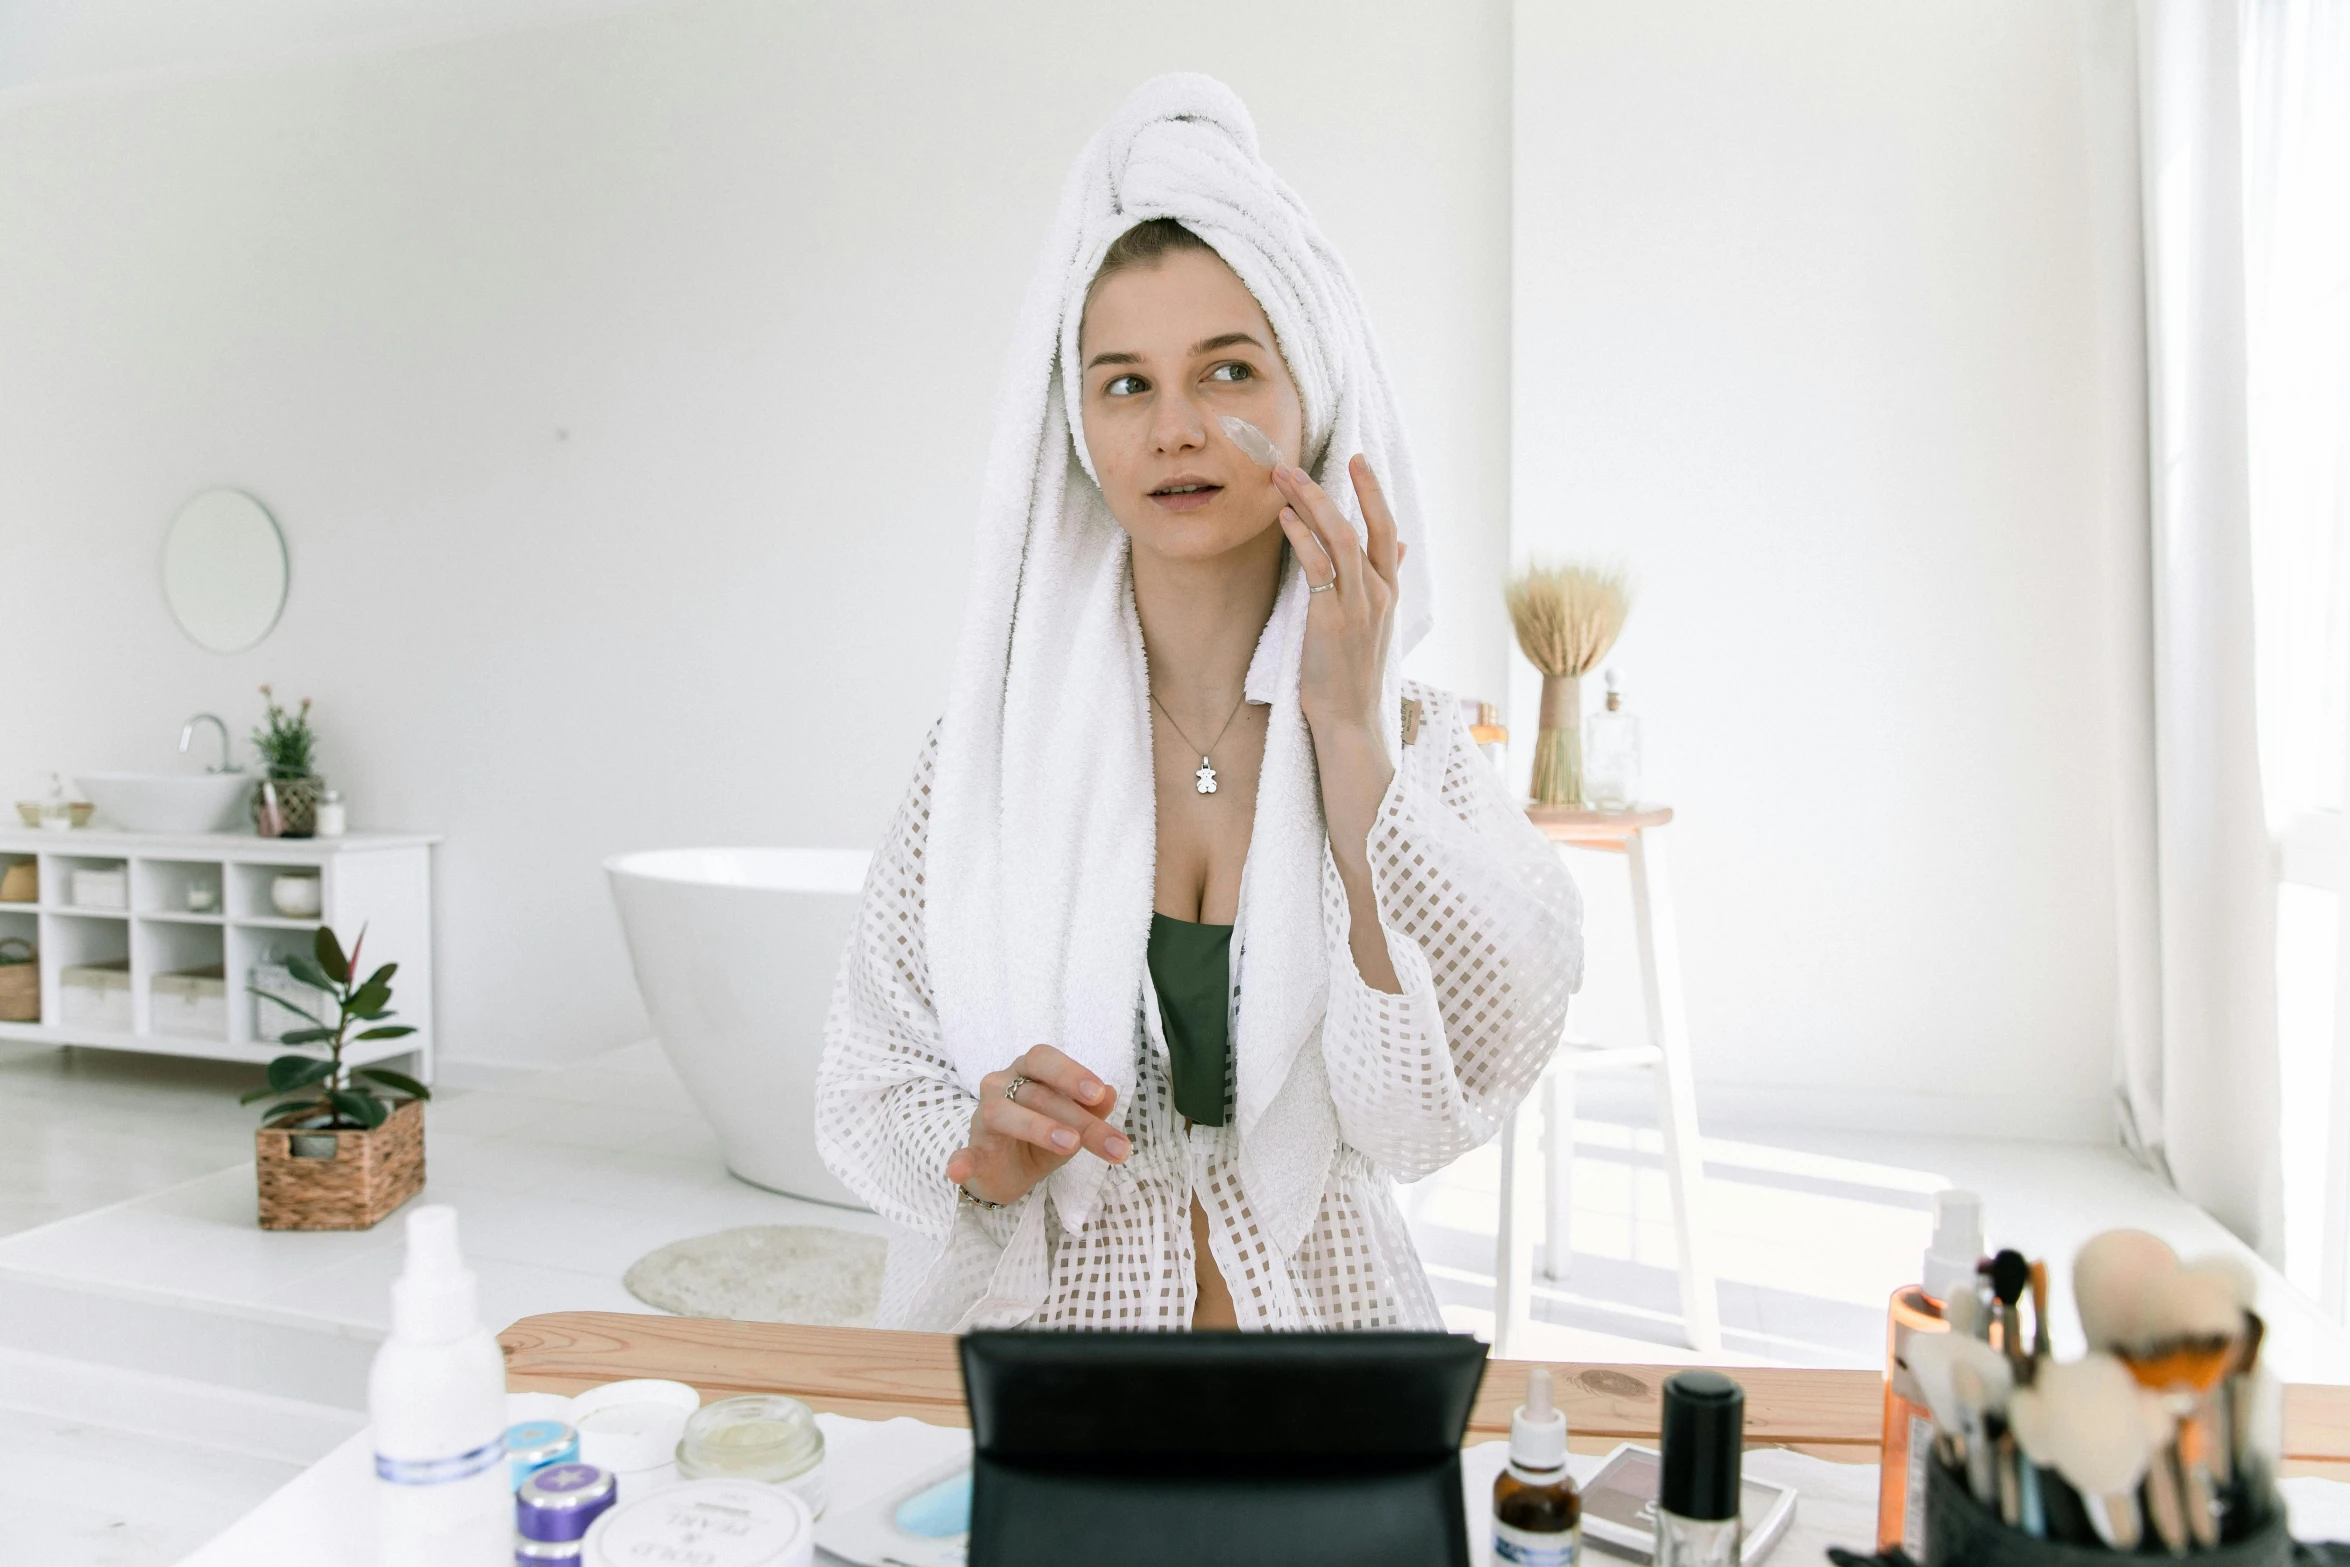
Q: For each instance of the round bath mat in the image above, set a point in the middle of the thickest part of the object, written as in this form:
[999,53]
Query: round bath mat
[766,1273]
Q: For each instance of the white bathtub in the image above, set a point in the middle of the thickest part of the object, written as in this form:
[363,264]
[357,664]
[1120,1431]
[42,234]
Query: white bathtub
[735,952]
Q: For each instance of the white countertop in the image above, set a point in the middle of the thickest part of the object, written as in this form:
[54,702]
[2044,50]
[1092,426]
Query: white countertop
[104,841]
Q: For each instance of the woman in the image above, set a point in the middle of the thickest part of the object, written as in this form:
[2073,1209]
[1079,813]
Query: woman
[1187,939]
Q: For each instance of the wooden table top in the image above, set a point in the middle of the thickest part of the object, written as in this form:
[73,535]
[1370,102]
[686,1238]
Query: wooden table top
[874,1374]
[1595,829]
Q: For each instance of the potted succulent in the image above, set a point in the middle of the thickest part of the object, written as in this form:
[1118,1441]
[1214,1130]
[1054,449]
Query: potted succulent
[286,803]
[334,1153]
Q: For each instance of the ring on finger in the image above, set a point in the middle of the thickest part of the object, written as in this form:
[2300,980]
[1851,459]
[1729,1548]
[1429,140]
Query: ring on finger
[1012,1089]
[1321,587]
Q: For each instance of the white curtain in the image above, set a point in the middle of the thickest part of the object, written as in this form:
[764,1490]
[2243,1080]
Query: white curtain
[2296,76]
[2244,146]
[2200,1093]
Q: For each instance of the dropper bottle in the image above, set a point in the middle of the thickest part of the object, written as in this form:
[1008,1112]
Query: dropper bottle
[436,1402]
[1907,1439]
[1537,1512]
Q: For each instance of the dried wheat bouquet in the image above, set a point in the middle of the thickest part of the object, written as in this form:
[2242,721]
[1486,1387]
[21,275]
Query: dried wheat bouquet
[1566,617]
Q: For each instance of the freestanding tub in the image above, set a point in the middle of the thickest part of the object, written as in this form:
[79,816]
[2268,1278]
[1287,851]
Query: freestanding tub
[735,952]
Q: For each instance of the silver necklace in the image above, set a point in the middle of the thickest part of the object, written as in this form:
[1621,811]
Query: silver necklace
[1207,772]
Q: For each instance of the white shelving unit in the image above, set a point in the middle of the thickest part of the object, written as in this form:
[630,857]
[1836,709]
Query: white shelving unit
[382,881]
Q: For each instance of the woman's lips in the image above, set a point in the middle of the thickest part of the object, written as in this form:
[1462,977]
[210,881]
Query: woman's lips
[1189,500]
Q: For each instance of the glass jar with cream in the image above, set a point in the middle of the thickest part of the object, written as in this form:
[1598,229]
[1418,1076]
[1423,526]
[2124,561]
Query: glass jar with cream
[759,1436]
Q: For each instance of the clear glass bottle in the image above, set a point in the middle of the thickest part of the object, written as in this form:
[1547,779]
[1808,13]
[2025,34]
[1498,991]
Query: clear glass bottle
[1700,1466]
[1537,1511]
[1611,754]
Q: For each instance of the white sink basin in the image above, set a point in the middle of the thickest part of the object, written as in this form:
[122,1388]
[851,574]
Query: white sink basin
[170,802]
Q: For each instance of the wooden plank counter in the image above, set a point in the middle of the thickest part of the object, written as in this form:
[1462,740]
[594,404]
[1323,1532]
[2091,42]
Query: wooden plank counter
[873,1374]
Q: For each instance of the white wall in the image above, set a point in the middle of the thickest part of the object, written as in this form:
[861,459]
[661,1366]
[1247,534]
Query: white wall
[1814,331]
[622,386]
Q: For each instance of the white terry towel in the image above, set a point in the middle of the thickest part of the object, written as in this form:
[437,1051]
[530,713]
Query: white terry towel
[1042,852]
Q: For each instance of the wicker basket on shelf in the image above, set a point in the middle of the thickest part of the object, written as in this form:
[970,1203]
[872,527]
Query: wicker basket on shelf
[305,1184]
[20,981]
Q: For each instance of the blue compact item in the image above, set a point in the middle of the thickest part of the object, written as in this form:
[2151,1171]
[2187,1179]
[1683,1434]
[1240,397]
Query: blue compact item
[925,1522]
[539,1444]
[940,1512]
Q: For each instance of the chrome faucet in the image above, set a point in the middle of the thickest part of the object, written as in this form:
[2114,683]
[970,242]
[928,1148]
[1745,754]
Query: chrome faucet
[188,733]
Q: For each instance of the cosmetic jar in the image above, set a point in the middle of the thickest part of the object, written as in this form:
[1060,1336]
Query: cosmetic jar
[759,1436]
[725,1523]
[555,1509]
[632,1428]
[538,1444]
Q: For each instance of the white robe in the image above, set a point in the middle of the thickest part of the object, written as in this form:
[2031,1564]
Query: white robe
[1484,929]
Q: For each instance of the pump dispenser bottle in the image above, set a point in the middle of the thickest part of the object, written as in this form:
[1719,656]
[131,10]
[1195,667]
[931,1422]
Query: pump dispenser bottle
[436,1403]
[1537,1512]
[1909,1426]
[1700,1465]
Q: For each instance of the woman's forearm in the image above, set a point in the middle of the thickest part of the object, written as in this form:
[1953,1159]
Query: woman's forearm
[1355,775]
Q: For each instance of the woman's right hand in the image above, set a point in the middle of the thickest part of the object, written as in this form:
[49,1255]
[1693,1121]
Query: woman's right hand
[1016,1143]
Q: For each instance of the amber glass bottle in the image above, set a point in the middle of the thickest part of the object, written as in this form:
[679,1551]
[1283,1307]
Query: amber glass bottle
[1908,1433]
[1537,1512]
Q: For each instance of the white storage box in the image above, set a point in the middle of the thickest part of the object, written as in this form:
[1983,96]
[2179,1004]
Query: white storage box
[193,1004]
[101,889]
[96,995]
[272,1022]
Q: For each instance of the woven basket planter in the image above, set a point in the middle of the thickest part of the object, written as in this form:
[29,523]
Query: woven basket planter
[369,1175]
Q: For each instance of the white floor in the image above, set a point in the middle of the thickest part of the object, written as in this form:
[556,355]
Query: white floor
[148,1327]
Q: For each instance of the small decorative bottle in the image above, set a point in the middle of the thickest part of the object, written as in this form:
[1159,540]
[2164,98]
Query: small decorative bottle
[1537,1512]
[1704,1442]
[333,822]
[1611,754]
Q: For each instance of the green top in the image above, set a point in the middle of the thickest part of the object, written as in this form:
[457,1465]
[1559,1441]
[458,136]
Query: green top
[1191,967]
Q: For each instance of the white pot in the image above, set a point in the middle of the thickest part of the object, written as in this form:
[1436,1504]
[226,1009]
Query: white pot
[296,897]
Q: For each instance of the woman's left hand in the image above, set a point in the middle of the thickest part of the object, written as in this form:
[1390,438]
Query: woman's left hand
[1348,622]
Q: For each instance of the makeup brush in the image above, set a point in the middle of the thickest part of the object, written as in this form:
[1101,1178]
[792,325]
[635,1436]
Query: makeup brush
[1982,1454]
[2112,1274]
[2040,1348]
[2011,1274]
[1965,1313]
[1962,1407]
[2090,1422]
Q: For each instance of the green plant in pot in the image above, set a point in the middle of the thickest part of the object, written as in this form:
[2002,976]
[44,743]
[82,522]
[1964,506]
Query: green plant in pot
[326,1094]
[286,804]
[334,1153]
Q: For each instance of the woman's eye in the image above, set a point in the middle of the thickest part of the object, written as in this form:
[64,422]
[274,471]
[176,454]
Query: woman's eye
[1118,386]
[1240,372]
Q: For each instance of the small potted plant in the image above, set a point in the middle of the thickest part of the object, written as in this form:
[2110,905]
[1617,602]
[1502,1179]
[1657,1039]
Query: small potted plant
[334,1153]
[286,804]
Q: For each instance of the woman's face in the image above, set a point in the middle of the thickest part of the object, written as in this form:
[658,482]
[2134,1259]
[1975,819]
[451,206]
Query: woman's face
[1167,349]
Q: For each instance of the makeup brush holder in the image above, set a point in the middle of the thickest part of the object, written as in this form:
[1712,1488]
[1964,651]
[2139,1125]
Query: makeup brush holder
[1962,1532]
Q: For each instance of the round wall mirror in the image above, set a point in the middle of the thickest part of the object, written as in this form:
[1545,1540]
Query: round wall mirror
[224,570]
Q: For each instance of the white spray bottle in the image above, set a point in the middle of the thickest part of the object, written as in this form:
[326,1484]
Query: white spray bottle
[436,1399]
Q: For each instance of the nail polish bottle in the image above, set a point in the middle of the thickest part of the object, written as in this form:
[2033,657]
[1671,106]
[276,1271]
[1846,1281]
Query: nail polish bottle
[1704,1443]
[1537,1512]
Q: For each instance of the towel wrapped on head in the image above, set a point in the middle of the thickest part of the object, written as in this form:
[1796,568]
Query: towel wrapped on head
[1042,855]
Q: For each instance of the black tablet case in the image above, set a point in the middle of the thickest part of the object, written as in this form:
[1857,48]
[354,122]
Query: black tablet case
[1234,1449]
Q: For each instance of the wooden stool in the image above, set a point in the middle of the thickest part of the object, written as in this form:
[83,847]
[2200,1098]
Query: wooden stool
[1633,834]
